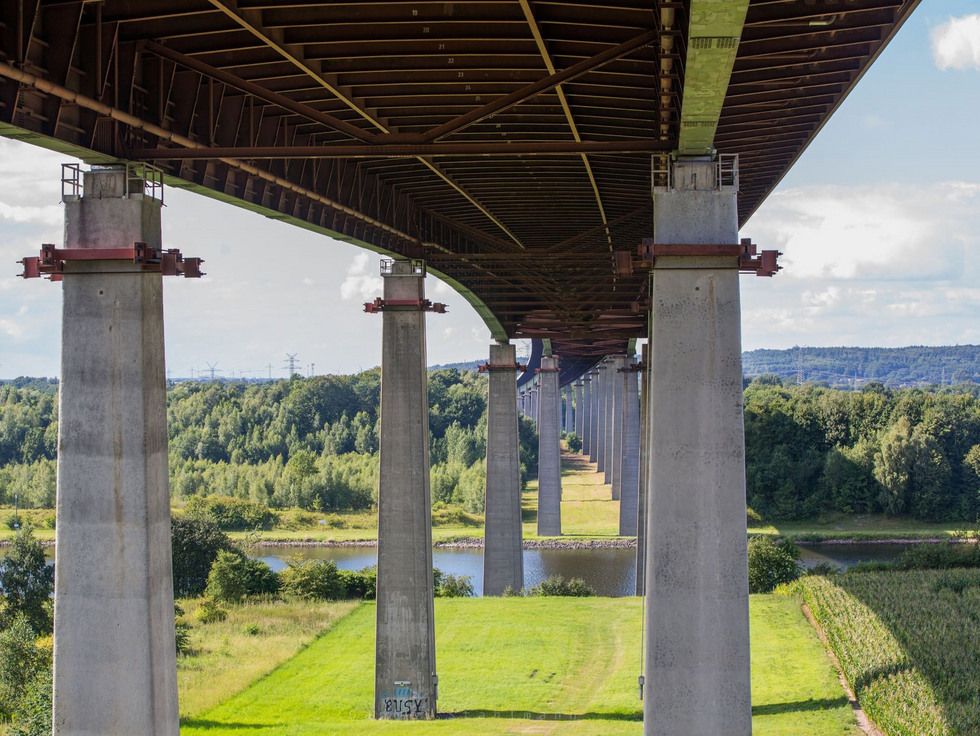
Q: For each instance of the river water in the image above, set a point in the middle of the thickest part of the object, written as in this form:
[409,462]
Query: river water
[611,572]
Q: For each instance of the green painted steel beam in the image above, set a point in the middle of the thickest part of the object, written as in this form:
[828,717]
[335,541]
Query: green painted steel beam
[713,34]
[497,331]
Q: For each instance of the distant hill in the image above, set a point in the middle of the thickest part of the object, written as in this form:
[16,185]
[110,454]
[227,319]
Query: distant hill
[842,367]
[469,365]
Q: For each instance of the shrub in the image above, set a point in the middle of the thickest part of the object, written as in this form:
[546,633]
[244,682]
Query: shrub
[234,577]
[313,580]
[182,632]
[360,583]
[196,543]
[939,556]
[33,716]
[753,518]
[210,611]
[572,440]
[556,585]
[231,514]
[771,564]
[447,585]
[27,583]
[20,662]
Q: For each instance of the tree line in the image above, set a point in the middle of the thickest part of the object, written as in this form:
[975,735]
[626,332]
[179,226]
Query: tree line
[811,450]
[309,443]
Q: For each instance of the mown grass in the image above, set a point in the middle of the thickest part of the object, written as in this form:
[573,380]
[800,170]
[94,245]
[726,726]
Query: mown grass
[566,667]
[228,656]
[909,644]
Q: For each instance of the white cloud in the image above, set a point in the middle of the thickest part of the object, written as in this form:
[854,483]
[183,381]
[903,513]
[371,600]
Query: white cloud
[891,265]
[359,284]
[49,215]
[956,43]
[894,231]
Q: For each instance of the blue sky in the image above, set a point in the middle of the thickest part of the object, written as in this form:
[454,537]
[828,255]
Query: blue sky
[879,222]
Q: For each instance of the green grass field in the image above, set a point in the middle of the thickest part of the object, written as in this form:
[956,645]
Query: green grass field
[545,666]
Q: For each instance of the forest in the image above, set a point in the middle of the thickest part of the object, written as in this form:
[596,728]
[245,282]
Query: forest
[311,443]
[308,443]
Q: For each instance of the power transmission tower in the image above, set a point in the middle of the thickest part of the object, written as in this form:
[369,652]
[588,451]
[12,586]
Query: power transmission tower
[291,363]
[212,369]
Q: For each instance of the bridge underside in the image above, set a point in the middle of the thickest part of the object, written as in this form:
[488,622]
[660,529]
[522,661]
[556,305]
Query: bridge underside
[509,144]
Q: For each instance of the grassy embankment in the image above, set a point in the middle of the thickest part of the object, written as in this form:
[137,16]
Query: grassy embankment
[573,672]
[908,643]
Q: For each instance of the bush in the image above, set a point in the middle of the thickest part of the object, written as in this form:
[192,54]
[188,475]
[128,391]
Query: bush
[939,556]
[182,632]
[20,662]
[360,583]
[196,543]
[209,611]
[33,715]
[447,585]
[572,441]
[753,518]
[771,564]
[27,582]
[234,577]
[313,580]
[231,514]
[556,585]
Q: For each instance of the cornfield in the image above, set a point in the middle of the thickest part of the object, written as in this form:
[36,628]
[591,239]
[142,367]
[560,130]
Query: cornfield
[908,643]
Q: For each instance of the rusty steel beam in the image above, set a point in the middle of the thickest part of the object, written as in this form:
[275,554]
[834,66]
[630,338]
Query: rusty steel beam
[543,85]
[404,150]
[273,98]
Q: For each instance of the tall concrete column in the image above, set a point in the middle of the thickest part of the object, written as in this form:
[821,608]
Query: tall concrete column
[115,668]
[616,430]
[587,415]
[697,624]
[569,410]
[549,452]
[630,474]
[641,507]
[609,384]
[593,430]
[600,425]
[534,402]
[405,656]
[579,411]
[503,565]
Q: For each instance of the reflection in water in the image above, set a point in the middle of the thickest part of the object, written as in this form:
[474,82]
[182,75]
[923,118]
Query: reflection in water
[610,571]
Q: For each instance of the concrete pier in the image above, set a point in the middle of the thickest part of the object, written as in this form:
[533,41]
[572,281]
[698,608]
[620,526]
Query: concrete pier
[503,565]
[579,412]
[609,382]
[617,415]
[569,410]
[600,424]
[697,632]
[641,507]
[629,479]
[405,663]
[549,452]
[115,666]
[589,420]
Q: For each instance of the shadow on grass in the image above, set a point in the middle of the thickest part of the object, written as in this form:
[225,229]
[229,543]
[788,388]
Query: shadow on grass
[203,723]
[530,715]
[800,706]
